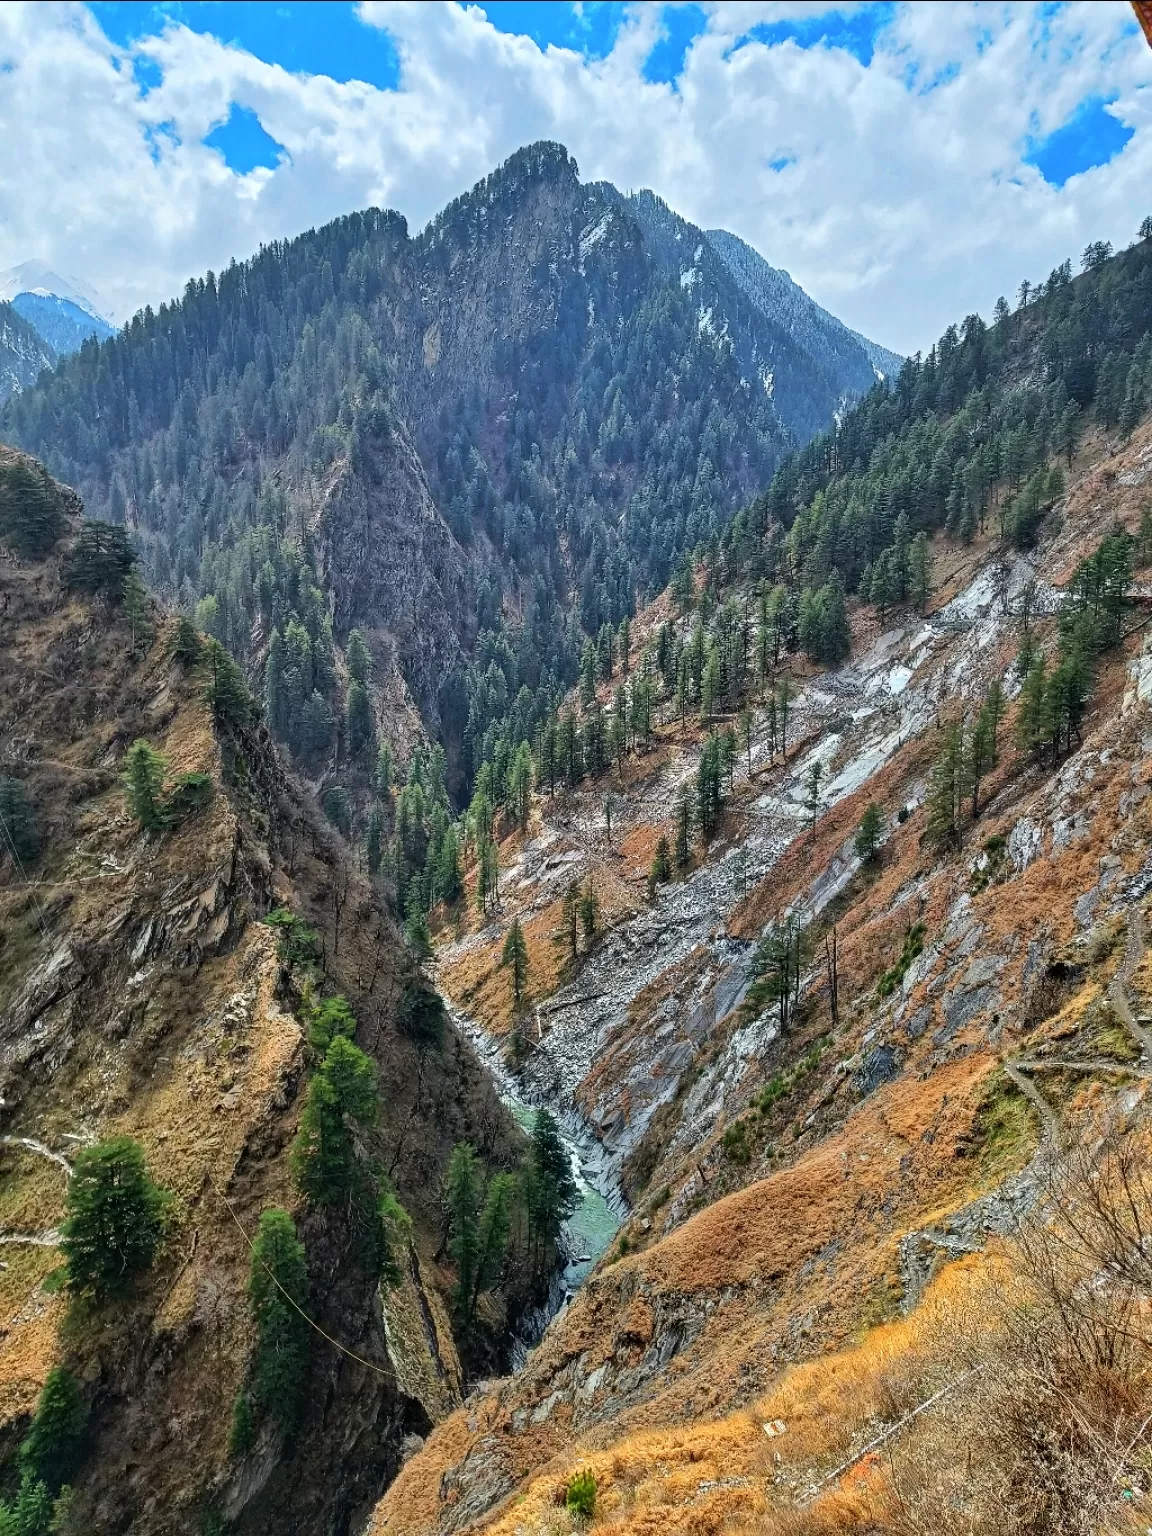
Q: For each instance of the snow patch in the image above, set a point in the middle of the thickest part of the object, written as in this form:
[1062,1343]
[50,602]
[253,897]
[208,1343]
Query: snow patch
[590,238]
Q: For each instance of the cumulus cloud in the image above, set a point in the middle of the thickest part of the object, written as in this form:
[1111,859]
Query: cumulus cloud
[897,190]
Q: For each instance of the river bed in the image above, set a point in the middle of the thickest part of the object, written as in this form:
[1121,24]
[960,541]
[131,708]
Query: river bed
[589,1230]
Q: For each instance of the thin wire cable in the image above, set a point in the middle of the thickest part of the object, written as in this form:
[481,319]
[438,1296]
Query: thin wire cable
[10,842]
[292,1302]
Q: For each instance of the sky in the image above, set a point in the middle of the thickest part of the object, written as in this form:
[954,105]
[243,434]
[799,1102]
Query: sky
[906,163]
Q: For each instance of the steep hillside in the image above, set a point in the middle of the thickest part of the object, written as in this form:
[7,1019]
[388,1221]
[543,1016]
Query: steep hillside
[865,1041]
[143,994]
[24,354]
[820,334]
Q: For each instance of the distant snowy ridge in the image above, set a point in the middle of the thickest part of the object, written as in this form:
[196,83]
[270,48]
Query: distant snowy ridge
[62,313]
[37,277]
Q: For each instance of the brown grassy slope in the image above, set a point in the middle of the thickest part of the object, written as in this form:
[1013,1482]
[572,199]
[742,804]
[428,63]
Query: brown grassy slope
[140,994]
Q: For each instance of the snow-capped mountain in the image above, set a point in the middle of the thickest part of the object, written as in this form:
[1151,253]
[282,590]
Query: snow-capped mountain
[59,309]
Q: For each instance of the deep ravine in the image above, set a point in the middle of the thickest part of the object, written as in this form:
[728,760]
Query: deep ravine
[602,1207]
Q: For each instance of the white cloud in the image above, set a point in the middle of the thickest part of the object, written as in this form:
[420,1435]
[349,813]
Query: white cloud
[903,207]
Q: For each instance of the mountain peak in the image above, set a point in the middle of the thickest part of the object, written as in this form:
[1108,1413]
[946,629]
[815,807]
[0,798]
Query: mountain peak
[38,278]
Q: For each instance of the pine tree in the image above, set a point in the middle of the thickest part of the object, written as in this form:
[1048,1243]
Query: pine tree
[136,608]
[570,922]
[746,733]
[31,511]
[948,788]
[278,1296]
[519,787]
[224,689]
[683,828]
[515,956]
[337,807]
[143,779]
[19,834]
[661,870]
[187,648]
[783,703]
[919,571]
[341,1096]
[374,845]
[812,792]
[359,659]
[1031,716]
[552,1190]
[494,1231]
[385,771]
[100,561]
[463,1198]
[114,1219]
[361,726]
[589,906]
[52,1448]
[869,833]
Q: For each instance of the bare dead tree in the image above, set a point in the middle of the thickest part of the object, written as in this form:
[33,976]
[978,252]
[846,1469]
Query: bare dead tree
[831,964]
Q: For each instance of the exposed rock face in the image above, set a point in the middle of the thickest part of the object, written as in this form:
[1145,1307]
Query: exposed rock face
[391,567]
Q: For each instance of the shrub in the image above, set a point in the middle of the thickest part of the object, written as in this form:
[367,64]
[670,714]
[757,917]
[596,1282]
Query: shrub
[580,1494]
[894,975]
[395,1230]
[190,793]
[114,1220]
[242,1436]
[735,1142]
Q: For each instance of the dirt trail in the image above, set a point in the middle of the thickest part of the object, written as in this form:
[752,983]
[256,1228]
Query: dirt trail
[1049,1117]
[1118,987]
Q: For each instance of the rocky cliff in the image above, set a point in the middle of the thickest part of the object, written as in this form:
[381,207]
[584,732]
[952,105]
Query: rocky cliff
[142,994]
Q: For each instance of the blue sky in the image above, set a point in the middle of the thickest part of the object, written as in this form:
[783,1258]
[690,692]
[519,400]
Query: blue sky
[327,37]
[905,161]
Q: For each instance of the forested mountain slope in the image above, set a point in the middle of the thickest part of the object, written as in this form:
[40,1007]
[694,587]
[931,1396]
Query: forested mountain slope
[516,419]
[819,333]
